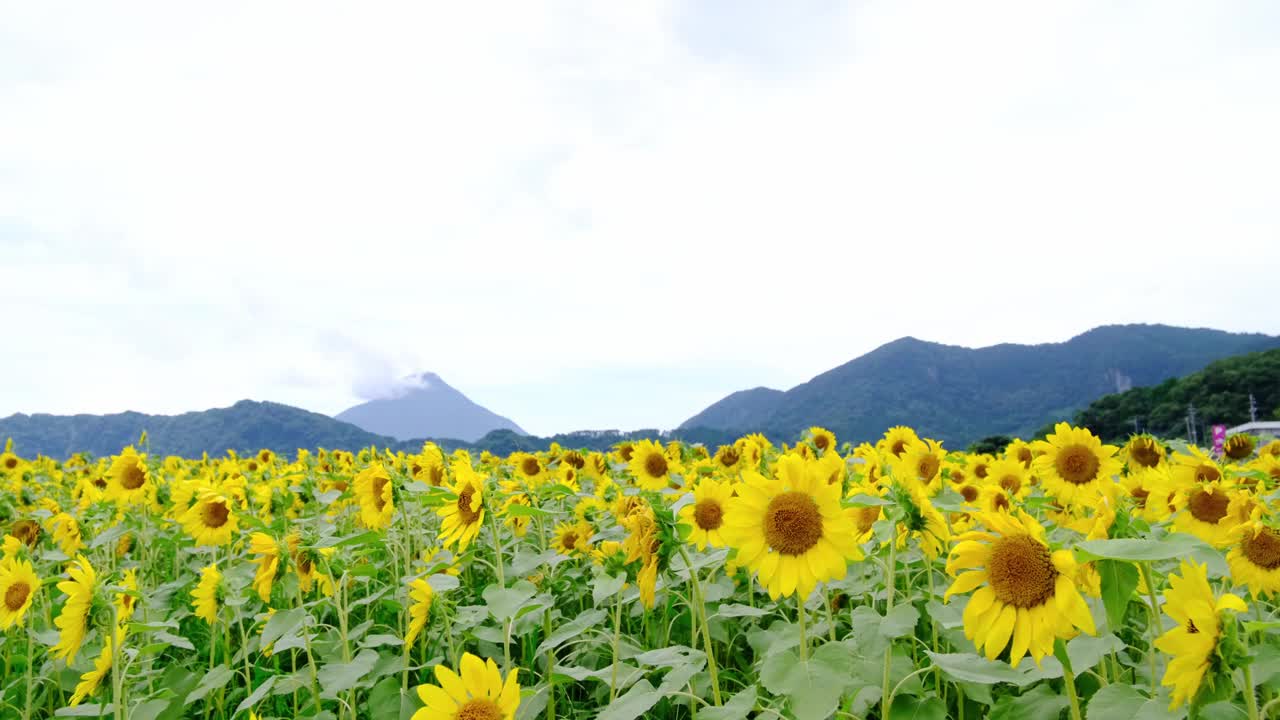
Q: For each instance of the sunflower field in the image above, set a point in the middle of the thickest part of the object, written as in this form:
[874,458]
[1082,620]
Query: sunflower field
[895,580]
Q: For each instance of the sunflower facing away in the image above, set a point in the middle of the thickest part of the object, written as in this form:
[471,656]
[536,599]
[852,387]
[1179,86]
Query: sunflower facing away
[1074,465]
[463,517]
[18,585]
[204,598]
[1026,594]
[1239,446]
[420,596]
[1193,643]
[705,515]
[1143,451]
[791,530]
[73,621]
[90,681]
[476,693]
[373,491]
[268,562]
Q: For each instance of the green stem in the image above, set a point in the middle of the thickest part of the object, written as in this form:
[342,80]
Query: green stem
[26,703]
[804,643]
[831,615]
[699,606]
[551,665]
[1069,680]
[1147,578]
[617,629]
[306,645]
[886,695]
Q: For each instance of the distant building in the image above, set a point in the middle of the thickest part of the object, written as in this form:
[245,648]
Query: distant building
[1269,429]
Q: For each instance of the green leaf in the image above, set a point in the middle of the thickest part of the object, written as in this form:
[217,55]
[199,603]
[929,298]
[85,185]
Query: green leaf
[969,667]
[174,640]
[899,622]
[632,704]
[738,707]
[909,707]
[517,510]
[149,710]
[605,587]
[256,696]
[384,699]
[1115,702]
[86,711]
[335,678]
[357,539]
[1119,580]
[1039,703]
[576,627]
[1223,711]
[1086,651]
[678,678]
[215,679]
[285,621]
[1174,545]
[813,687]
[374,641]
[505,603]
[668,657]
[734,610]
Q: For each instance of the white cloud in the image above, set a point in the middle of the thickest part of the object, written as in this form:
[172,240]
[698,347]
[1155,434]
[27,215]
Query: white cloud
[308,202]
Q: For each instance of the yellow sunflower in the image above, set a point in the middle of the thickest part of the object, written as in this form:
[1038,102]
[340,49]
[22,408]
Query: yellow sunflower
[1238,447]
[979,465]
[18,586]
[420,596]
[373,491]
[1194,641]
[90,681]
[204,597]
[705,515]
[896,439]
[73,621]
[528,468]
[1143,451]
[428,466]
[1204,512]
[462,518]
[1254,559]
[66,532]
[791,530]
[268,562]
[728,460]
[128,479]
[1020,450]
[476,693]
[1074,466]
[1010,476]
[573,538]
[650,466]
[1026,594]
[1152,493]
[210,521]
[1194,467]
[822,438]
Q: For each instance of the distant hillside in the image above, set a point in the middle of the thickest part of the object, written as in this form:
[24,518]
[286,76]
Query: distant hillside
[427,407]
[245,427]
[960,394]
[1220,393]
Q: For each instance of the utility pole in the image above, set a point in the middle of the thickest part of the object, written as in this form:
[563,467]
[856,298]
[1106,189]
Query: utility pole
[1191,423]
[1253,409]
[1135,425]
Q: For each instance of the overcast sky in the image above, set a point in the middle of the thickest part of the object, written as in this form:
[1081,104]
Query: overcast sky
[610,214]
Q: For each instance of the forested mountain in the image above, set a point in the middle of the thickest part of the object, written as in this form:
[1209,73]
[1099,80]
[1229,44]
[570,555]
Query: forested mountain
[961,394]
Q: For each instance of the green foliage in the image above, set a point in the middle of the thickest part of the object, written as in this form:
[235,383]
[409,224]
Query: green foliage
[960,395]
[1220,393]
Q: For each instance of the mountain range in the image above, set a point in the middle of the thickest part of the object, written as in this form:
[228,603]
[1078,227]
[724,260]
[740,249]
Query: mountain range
[959,394]
[426,406]
[955,394]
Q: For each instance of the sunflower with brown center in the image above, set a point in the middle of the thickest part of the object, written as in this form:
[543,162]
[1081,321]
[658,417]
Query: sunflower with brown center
[528,468]
[979,465]
[1151,492]
[462,518]
[650,466]
[790,529]
[1254,558]
[1011,476]
[1143,451]
[705,515]
[1024,593]
[210,521]
[478,692]
[823,439]
[428,466]
[128,479]
[864,516]
[573,538]
[728,460]
[1020,450]
[1074,466]
[1239,446]
[373,491]
[18,585]
[1204,511]
[896,439]
[921,461]
[1193,467]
